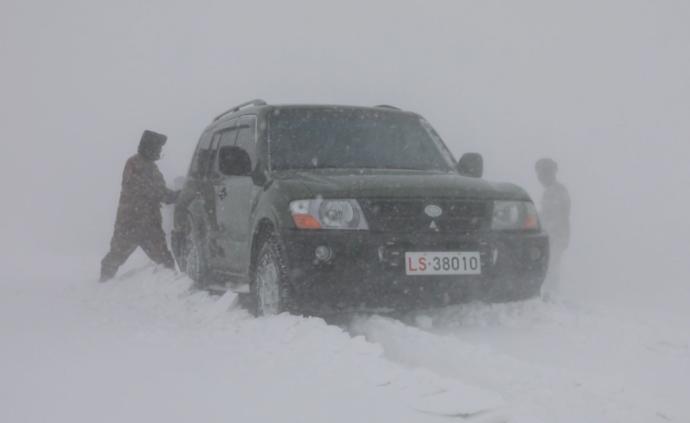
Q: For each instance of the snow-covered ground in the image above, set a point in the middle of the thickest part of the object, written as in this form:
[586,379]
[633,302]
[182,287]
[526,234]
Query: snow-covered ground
[145,348]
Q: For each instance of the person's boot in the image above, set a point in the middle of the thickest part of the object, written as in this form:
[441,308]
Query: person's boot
[106,274]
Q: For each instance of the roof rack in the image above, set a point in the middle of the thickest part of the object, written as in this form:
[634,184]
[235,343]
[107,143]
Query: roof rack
[388,106]
[256,102]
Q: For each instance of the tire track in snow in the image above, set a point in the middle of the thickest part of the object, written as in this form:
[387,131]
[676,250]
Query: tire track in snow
[534,391]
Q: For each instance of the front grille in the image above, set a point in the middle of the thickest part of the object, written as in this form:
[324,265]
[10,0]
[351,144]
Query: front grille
[408,216]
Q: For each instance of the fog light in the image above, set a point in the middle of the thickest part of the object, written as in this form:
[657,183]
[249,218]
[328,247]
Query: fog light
[534,253]
[323,253]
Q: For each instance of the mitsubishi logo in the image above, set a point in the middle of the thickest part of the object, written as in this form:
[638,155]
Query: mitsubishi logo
[433,226]
[432,210]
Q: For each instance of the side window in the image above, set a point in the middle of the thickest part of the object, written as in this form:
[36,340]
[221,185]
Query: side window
[226,137]
[209,167]
[201,155]
[246,139]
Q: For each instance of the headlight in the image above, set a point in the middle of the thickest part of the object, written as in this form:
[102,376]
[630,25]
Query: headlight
[514,215]
[328,214]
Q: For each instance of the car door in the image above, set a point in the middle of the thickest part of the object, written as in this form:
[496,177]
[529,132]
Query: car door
[237,201]
[226,136]
[190,208]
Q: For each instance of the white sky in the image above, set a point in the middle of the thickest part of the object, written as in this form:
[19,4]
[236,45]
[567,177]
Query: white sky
[601,86]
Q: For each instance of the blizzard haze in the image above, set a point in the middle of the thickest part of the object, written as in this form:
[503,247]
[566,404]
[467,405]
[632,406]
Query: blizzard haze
[602,87]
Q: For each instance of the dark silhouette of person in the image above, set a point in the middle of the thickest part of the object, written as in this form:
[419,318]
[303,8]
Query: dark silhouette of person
[139,221]
[555,219]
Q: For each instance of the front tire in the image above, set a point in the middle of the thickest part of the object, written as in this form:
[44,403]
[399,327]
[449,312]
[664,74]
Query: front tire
[525,289]
[270,285]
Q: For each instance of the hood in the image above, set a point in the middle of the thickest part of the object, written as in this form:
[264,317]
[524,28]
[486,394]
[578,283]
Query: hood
[378,183]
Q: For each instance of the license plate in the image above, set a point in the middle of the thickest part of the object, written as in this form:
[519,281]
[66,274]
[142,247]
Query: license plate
[443,263]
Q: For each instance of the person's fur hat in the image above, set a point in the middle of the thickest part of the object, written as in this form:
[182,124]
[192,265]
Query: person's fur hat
[151,144]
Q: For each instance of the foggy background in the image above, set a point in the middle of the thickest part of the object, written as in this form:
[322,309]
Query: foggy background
[601,86]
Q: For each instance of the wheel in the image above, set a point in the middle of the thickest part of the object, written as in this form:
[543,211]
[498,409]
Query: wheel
[196,266]
[528,290]
[522,290]
[269,284]
[534,289]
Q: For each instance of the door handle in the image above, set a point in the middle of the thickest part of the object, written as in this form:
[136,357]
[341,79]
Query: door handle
[222,193]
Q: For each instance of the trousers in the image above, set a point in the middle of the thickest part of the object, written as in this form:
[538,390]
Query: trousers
[126,239]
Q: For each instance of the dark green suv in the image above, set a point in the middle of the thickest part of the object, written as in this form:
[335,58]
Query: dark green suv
[309,209]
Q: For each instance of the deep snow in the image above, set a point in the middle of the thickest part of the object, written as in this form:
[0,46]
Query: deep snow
[147,348]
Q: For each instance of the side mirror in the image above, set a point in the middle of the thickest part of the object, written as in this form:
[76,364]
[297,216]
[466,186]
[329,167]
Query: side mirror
[471,164]
[259,174]
[234,161]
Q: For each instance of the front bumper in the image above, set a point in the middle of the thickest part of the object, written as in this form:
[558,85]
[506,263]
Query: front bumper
[367,269]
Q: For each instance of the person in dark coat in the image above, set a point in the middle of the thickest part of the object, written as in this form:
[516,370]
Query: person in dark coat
[139,221]
[555,218]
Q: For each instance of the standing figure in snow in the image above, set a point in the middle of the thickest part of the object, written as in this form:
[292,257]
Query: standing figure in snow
[139,221]
[555,218]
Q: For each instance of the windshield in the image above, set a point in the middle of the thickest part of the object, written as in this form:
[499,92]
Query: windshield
[309,138]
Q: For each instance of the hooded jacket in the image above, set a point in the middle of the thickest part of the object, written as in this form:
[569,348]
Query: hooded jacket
[143,191]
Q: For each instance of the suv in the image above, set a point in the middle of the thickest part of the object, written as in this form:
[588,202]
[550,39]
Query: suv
[304,209]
